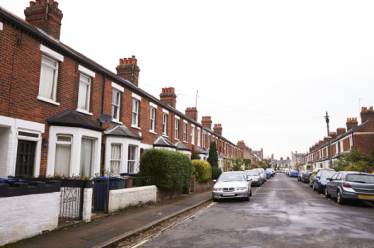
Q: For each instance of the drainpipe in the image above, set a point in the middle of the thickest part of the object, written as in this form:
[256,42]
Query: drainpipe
[101,124]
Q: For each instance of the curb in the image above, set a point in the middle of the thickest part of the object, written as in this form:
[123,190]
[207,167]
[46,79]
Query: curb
[129,234]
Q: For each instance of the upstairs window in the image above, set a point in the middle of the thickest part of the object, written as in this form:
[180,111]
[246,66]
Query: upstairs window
[48,78]
[135,113]
[84,93]
[176,129]
[192,135]
[185,131]
[164,124]
[116,97]
[198,136]
[152,119]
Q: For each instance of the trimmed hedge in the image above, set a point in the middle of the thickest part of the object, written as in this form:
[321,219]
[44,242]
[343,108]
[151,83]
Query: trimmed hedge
[172,170]
[202,171]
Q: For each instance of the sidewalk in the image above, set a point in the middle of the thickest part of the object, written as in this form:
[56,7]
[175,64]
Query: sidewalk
[113,228]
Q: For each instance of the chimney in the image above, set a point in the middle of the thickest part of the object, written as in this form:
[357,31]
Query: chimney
[46,16]
[168,96]
[366,114]
[191,113]
[282,158]
[333,135]
[207,122]
[217,129]
[340,131]
[128,69]
[351,123]
[321,142]
[288,158]
[241,144]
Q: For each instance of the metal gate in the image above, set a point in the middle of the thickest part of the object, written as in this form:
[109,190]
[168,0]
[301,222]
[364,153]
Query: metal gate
[71,200]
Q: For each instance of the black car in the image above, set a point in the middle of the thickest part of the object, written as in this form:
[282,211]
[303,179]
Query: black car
[306,176]
[350,185]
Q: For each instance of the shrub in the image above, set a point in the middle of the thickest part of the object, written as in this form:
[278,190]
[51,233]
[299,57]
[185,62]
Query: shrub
[216,172]
[202,171]
[172,170]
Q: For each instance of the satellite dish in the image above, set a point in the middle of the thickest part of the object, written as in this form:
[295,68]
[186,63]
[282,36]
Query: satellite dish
[105,118]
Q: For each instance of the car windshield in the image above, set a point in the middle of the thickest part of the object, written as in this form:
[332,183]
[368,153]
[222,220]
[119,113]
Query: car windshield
[327,174]
[231,177]
[251,173]
[361,178]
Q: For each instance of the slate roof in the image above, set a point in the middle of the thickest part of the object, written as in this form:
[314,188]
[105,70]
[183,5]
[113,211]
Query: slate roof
[200,150]
[163,142]
[181,147]
[222,156]
[71,118]
[122,131]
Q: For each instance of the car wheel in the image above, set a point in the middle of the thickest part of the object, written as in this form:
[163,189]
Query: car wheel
[215,200]
[339,198]
[310,185]
[250,192]
[327,195]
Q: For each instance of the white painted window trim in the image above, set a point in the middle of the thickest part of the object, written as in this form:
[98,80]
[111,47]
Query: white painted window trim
[1,26]
[45,99]
[83,111]
[184,121]
[165,111]
[51,53]
[137,97]
[86,71]
[153,105]
[177,117]
[118,87]
[192,125]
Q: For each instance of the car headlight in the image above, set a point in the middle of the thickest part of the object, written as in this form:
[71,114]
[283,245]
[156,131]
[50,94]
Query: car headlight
[217,189]
[241,188]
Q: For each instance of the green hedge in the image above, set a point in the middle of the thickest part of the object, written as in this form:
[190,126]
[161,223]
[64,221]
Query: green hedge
[202,171]
[216,172]
[172,170]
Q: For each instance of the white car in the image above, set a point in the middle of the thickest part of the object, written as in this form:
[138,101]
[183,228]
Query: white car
[262,174]
[233,184]
[255,176]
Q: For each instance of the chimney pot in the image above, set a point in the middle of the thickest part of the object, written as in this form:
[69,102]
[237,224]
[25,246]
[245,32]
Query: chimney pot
[121,61]
[32,4]
[55,4]
[37,2]
[44,2]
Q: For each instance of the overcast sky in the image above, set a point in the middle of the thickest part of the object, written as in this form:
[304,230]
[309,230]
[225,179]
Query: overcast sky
[266,70]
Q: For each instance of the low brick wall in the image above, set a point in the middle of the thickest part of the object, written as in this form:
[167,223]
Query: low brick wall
[198,187]
[163,195]
[131,197]
[27,215]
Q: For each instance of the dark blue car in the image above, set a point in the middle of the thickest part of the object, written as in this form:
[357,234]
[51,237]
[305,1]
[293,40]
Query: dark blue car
[294,173]
[320,181]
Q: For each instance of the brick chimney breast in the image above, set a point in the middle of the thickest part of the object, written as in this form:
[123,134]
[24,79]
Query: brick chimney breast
[340,131]
[217,129]
[46,16]
[168,96]
[207,122]
[191,113]
[366,114]
[128,69]
[351,123]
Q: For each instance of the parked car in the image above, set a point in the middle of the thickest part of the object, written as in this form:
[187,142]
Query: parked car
[350,185]
[233,184]
[294,173]
[320,180]
[272,172]
[263,174]
[305,176]
[300,175]
[255,176]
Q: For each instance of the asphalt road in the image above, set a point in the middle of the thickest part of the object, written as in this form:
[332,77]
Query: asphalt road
[281,213]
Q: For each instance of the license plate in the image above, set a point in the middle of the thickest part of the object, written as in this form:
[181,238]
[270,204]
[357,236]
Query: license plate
[228,194]
[365,196]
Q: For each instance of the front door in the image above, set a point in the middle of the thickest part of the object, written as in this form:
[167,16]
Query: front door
[25,158]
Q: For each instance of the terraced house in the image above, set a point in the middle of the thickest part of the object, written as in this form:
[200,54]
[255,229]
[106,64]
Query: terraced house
[354,136]
[62,113]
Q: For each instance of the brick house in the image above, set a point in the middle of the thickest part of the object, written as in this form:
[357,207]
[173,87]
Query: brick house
[354,136]
[62,113]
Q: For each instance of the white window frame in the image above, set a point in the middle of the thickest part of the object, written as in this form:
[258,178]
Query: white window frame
[192,134]
[134,149]
[204,139]
[64,143]
[198,136]
[177,120]
[135,113]
[152,119]
[164,124]
[116,160]
[185,127]
[87,83]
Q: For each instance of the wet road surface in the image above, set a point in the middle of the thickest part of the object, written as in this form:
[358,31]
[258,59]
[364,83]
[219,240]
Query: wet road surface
[281,213]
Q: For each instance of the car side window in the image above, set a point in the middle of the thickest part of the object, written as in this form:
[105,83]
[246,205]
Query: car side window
[335,176]
[340,176]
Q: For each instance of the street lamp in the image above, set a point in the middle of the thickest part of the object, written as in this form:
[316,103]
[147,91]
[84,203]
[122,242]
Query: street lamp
[328,135]
[296,161]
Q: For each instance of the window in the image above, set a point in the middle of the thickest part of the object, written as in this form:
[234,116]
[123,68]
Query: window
[176,129]
[198,136]
[63,155]
[135,113]
[48,78]
[192,135]
[84,93]
[131,159]
[204,135]
[185,131]
[164,124]
[116,97]
[87,157]
[115,159]
[152,119]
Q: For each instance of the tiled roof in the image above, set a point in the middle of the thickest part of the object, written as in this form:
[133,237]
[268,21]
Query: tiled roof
[163,142]
[182,147]
[123,131]
[71,118]
[200,150]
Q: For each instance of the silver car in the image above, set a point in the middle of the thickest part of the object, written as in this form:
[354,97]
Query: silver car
[262,174]
[350,185]
[233,184]
[255,176]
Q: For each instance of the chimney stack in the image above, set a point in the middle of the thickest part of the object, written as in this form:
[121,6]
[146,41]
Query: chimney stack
[128,69]
[241,144]
[333,135]
[207,122]
[340,131]
[45,15]
[281,158]
[168,96]
[351,123]
[366,114]
[191,113]
[217,129]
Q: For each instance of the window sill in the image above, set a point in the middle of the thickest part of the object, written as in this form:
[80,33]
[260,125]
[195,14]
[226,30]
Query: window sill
[135,127]
[185,142]
[83,111]
[152,132]
[165,136]
[44,99]
[118,122]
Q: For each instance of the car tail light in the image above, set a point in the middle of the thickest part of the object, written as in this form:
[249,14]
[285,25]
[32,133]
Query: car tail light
[346,185]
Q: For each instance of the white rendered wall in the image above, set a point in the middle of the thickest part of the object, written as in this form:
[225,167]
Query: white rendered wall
[26,216]
[123,198]
[87,205]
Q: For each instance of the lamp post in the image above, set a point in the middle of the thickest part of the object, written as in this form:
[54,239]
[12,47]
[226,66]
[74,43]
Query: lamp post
[328,135]
[296,161]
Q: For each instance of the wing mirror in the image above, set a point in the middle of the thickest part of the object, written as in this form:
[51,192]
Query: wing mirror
[214,180]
